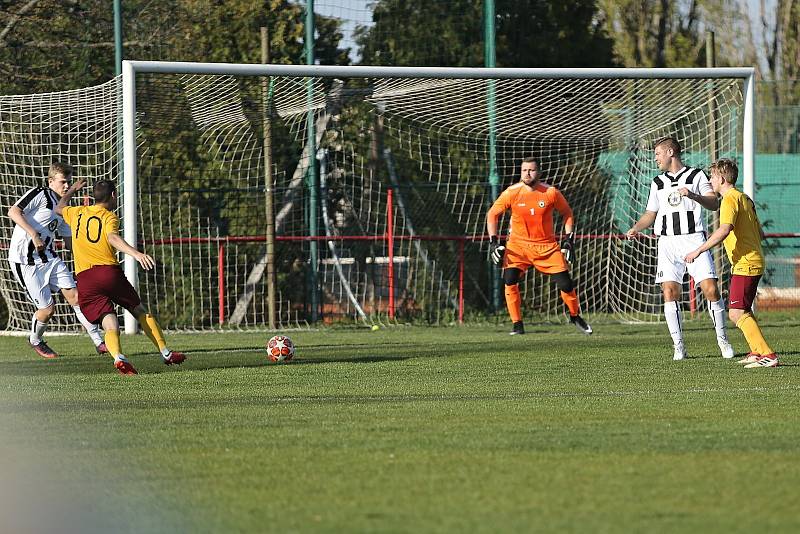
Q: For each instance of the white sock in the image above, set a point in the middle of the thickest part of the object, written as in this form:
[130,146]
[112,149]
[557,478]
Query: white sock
[672,312]
[37,331]
[91,329]
[717,312]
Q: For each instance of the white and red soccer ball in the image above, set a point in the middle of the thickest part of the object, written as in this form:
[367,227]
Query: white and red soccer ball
[280,349]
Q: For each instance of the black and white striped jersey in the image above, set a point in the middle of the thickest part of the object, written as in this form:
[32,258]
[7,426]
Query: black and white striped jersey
[37,206]
[677,215]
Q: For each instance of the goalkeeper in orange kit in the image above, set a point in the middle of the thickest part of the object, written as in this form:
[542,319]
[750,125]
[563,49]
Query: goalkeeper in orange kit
[532,243]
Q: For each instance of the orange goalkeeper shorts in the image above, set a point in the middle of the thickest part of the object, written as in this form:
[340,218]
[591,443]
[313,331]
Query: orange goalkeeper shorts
[544,257]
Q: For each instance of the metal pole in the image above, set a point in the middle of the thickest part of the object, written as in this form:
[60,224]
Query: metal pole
[266,97]
[129,188]
[390,248]
[490,61]
[749,138]
[118,37]
[311,171]
[221,281]
[450,73]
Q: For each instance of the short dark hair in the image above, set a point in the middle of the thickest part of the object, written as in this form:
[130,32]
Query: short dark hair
[59,167]
[103,190]
[531,159]
[670,142]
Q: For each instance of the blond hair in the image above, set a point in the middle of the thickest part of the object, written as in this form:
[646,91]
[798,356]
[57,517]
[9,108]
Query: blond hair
[58,167]
[725,168]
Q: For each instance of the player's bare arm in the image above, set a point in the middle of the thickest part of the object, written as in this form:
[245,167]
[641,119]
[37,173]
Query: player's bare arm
[491,225]
[645,221]
[709,201]
[713,240]
[65,198]
[146,261]
[16,214]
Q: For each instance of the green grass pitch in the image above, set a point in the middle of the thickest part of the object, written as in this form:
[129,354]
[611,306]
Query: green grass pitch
[407,429]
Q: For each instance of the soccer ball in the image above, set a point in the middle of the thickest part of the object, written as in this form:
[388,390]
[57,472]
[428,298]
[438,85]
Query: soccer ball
[280,349]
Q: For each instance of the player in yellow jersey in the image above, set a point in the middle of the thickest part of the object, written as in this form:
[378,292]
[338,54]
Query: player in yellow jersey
[101,282]
[532,243]
[741,234]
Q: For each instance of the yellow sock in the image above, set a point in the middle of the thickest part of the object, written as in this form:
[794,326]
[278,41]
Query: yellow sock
[571,300]
[112,343]
[514,303]
[752,333]
[153,331]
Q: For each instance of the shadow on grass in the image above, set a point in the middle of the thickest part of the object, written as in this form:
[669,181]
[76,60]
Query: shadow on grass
[210,359]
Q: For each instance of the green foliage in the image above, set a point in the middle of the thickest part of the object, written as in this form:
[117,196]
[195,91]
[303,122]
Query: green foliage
[530,33]
[229,32]
[55,45]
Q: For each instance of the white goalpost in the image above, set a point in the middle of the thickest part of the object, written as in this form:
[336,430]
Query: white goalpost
[192,177]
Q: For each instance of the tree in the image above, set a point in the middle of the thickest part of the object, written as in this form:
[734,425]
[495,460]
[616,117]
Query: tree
[52,45]
[530,33]
[658,33]
[780,30]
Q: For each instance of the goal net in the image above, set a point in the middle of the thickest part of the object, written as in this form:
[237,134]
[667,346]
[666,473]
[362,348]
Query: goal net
[78,127]
[342,143]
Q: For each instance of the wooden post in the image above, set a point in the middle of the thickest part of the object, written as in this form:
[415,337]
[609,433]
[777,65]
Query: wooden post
[266,98]
[716,252]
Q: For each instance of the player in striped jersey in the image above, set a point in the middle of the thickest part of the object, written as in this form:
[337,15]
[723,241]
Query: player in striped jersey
[532,243]
[675,204]
[741,234]
[34,261]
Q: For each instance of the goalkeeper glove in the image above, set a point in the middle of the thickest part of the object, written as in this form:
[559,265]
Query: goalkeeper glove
[496,250]
[568,247]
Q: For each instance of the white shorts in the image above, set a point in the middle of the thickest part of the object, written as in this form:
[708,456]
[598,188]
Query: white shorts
[671,265]
[42,280]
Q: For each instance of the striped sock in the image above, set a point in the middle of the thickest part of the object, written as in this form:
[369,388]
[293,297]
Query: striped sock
[672,312]
[37,331]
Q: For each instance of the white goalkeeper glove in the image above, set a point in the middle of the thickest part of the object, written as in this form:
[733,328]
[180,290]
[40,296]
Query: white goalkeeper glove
[496,250]
[568,247]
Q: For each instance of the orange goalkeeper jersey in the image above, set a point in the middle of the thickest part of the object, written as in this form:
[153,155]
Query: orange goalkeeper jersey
[531,211]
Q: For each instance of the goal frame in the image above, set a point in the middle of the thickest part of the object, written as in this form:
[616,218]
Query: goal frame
[131,68]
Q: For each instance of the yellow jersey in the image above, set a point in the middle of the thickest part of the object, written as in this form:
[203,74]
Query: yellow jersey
[91,226]
[743,244]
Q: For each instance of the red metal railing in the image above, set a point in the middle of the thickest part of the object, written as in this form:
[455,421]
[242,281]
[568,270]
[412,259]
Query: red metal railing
[390,244]
[390,239]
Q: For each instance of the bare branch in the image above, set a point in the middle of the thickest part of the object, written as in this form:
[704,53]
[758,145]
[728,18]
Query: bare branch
[15,18]
[61,44]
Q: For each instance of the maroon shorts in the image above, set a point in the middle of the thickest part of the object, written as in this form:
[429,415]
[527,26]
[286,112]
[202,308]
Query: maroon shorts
[742,292]
[102,286]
